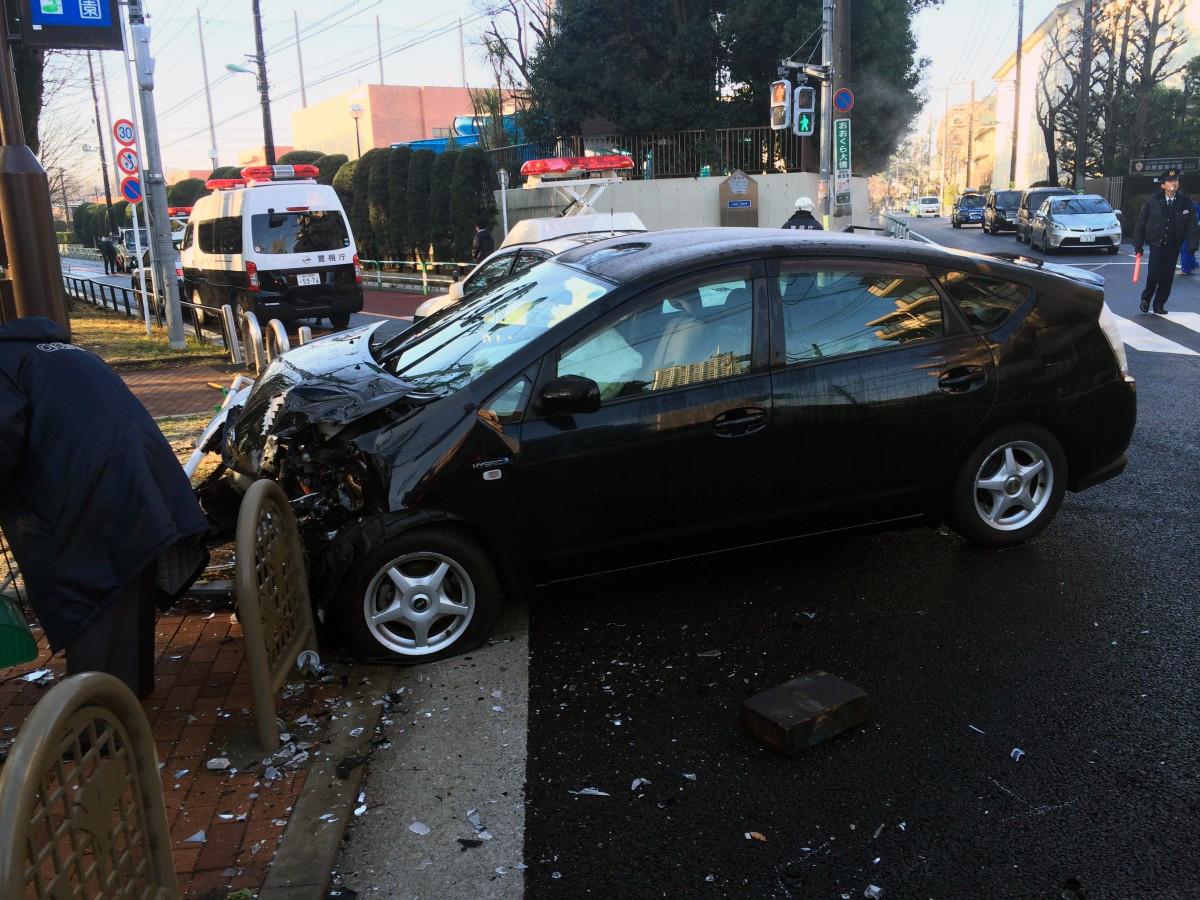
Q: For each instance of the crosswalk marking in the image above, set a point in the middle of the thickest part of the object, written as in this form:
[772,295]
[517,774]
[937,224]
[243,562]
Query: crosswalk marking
[1140,338]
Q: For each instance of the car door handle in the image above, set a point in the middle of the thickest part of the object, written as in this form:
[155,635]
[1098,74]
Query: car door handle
[740,422]
[962,379]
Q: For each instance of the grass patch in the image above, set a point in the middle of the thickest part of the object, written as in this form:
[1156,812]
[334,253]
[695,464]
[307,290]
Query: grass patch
[121,340]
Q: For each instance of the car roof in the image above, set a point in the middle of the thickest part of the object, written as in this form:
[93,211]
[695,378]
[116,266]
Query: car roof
[1047,190]
[631,257]
[545,228]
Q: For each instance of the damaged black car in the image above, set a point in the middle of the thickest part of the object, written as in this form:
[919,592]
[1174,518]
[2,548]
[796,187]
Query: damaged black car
[669,395]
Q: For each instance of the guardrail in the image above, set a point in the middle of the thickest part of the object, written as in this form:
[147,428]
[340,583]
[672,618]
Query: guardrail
[406,275]
[78,251]
[899,227]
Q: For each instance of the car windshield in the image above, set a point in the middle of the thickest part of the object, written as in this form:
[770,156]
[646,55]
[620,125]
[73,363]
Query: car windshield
[971,201]
[1080,206]
[1008,199]
[312,231]
[929,200]
[485,330]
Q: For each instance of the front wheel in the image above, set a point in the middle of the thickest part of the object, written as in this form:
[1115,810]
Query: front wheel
[1010,487]
[1112,251]
[423,595]
[340,321]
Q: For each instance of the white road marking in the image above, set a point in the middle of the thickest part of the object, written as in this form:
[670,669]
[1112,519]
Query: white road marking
[1140,338]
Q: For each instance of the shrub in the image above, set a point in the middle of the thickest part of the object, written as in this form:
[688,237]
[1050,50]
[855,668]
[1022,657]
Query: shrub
[471,199]
[439,204]
[378,202]
[299,157]
[417,222]
[186,192]
[398,162]
[329,165]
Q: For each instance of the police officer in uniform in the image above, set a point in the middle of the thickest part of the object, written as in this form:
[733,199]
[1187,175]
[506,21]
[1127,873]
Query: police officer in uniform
[803,219]
[1166,222]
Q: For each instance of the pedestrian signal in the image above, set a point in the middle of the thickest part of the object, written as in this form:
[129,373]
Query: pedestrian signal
[781,105]
[804,120]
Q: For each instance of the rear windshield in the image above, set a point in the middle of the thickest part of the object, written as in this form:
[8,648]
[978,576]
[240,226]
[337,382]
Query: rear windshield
[313,231]
[1080,206]
[929,199]
[971,201]
[1008,199]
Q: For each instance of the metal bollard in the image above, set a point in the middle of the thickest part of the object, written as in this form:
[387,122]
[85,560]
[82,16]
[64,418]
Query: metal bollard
[229,321]
[303,335]
[277,341]
[254,341]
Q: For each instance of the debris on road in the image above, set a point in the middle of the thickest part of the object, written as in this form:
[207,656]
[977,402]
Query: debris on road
[804,712]
[756,835]
[873,892]
[708,654]
[198,838]
[39,676]
[638,782]
[477,824]
[217,764]
[690,776]
[973,728]
[419,828]
[589,792]
[1016,754]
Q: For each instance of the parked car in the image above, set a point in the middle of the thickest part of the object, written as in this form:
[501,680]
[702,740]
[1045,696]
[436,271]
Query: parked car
[929,206]
[530,242]
[626,402]
[1086,221]
[276,242]
[1031,201]
[127,250]
[135,282]
[968,209]
[1000,211]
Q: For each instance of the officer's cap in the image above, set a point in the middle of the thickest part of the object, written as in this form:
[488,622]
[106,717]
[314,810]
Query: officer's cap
[1169,175]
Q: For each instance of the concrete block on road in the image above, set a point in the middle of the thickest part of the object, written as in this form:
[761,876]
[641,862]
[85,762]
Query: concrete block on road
[803,712]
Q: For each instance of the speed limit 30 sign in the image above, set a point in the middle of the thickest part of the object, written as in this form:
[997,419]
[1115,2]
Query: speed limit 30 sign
[124,132]
[127,161]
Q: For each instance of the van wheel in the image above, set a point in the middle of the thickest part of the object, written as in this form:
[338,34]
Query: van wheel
[423,595]
[1010,487]
[340,321]
[198,313]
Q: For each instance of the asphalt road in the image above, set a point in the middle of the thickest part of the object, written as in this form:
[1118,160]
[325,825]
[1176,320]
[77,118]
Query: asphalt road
[1078,649]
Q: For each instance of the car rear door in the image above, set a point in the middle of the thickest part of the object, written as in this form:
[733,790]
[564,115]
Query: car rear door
[877,383]
[674,461]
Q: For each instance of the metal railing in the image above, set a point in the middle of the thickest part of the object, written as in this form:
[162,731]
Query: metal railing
[898,227]
[78,251]
[407,275]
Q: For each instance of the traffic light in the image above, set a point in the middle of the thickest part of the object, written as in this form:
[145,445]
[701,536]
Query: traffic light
[781,105]
[804,120]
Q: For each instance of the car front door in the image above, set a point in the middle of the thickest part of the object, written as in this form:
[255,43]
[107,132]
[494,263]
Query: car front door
[672,463]
[877,384]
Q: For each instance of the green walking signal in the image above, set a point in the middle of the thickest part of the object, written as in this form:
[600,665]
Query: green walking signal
[804,120]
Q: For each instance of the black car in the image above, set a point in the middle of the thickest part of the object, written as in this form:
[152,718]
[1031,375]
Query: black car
[968,210]
[672,394]
[1000,211]
[1031,201]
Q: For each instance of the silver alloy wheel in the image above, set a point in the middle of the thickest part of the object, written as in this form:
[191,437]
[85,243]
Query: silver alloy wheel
[419,603]
[1013,486]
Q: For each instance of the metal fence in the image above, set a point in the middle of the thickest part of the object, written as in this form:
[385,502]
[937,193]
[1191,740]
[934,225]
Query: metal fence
[681,154]
[406,275]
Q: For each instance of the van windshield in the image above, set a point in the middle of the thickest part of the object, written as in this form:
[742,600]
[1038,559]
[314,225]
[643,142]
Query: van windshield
[970,201]
[1008,199]
[485,330]
[312,231]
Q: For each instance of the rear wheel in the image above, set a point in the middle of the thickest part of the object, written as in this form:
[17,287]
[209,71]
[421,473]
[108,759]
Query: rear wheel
[1010,487]
[423,595]
[198,313]
[340,321]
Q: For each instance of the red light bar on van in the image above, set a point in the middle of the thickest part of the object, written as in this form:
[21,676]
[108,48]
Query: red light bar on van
[279,173]
[224,184]
[568,165]
[179,210]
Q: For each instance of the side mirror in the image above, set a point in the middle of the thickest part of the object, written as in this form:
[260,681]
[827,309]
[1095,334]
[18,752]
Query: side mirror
[456,291]
[570,394]
[1039,215]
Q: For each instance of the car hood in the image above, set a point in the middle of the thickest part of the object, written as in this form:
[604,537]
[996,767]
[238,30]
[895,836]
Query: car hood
[1087,220]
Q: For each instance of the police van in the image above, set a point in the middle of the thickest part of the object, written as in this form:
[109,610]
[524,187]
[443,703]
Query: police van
[275,242]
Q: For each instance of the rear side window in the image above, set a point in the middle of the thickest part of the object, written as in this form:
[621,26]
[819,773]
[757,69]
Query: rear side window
[187,236]
[310,231]
[830,313]
[984,302]
[222,236]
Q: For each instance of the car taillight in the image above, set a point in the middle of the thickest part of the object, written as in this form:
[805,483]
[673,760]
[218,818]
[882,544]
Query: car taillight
[357,270]
[178,270]
[252,277]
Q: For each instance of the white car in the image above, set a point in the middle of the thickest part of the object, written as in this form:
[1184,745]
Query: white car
[528,243]
[1081,221]
[929,206]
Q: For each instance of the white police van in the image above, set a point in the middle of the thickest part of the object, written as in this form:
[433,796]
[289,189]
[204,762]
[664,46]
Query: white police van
[273,241]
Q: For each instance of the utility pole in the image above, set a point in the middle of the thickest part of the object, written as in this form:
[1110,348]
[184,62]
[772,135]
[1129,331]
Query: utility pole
[30,253]
[970,136]
[1016,122]
[300,58]
[379,49]
[841,78]
[1084,98]
[462,57]
[108,116]
[62,186]
[264,96]
[945,143]
[212,131]
[155,188]
[112,218]
[827,11]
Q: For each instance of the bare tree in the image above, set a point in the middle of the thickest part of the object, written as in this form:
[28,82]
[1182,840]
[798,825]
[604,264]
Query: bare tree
[514,31]
[1058,80]
[1156,40]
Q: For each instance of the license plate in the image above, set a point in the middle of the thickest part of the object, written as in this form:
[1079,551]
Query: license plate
[1087,239]
[308,279]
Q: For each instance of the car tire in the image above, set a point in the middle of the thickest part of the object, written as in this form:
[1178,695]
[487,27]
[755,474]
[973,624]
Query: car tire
[956,224]
[1112,251]
[1010,487]
[466,580]
[199,314]
[340,322]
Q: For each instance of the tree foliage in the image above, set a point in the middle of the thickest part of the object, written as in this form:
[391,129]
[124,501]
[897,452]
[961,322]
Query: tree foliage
[329,165]
[440,180]
[29,66]
[417,221]
[343,184]
[360,205]
[378,203]
[227,172]
[186,192]
[397,203]
[299,157]
[471,199]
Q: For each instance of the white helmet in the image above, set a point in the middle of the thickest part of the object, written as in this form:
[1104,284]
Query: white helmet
[805,204]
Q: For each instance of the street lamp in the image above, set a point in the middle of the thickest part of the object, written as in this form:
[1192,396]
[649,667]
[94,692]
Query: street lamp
[356,112]
[264,100]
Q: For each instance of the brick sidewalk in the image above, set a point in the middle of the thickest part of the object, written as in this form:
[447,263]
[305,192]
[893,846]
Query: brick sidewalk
[177,390]
[200,709]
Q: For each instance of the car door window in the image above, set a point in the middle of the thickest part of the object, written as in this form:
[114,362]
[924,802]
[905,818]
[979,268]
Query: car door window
[491,272]
[829,313]
[692,332]
[527,259]
[984,302]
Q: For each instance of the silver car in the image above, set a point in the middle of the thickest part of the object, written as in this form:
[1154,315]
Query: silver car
[1082,221]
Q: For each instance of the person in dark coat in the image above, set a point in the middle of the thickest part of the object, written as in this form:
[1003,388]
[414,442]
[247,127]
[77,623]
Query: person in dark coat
[483,245]
[803,219]
[1166,222]
[108,253]
[1187,256]
[97,510]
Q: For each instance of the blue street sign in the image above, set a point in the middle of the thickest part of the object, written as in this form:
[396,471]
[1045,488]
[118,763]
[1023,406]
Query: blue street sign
[843,100]
[88,13]
[737,204]
[131,189]
[71,24]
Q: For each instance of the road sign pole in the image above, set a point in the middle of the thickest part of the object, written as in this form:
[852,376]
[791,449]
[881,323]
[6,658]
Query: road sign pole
[827,113]
[137,248]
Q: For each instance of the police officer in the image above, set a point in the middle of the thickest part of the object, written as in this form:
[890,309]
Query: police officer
[483,244]
[803,219]
[1166,222]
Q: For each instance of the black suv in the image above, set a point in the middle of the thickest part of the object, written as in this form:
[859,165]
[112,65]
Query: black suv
[1000,211]
[670,394]
[1031,201]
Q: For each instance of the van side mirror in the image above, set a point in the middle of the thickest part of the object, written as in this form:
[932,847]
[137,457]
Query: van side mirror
[570,394]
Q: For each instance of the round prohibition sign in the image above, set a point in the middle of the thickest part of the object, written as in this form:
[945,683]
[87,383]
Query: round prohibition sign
[131,189]
[843,100]
[124,132]
[127,161]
